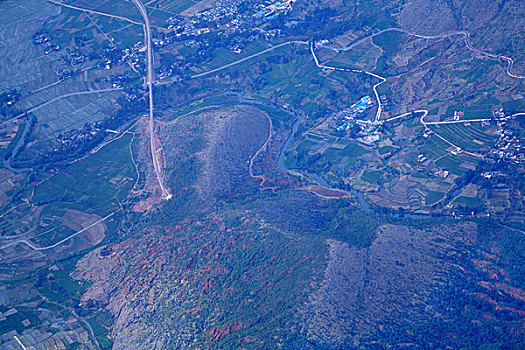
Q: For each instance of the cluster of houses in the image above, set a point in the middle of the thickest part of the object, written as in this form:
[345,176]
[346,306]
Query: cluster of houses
[224,19]
[509,147]
[44,39]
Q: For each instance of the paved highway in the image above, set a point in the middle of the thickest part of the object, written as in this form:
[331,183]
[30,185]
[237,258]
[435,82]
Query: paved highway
[34,247]
[149,81]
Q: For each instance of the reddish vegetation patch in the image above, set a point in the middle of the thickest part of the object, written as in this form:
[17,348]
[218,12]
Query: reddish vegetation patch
[513,292]
[328,192]
[498,282]
[203,268]
[218,332]
[490,269]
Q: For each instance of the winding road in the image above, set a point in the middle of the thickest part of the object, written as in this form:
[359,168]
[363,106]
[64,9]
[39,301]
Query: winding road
[508,60]
[426,124]
[150,72]
[382,80]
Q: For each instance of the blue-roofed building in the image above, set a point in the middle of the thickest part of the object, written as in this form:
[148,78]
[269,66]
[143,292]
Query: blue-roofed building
[260,13]
[342,127]
[366,99]
[362,105]
[272,17]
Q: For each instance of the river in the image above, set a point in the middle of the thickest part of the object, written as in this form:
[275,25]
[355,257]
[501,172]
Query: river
[317,178]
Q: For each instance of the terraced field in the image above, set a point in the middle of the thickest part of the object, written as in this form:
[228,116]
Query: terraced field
[363,56]
[97,185]
[472,138]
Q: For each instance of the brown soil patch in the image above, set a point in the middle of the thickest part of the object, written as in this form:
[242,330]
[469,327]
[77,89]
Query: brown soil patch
[147,203]
[327,192]
[78,220]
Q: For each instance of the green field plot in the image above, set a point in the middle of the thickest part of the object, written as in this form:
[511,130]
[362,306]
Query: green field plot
[61,288]
[362,56]
[291,72]
[477,69]
[514,106]
[171,6]
[308,146]
[390,43]
[478,112]
[159,18]
[295,79]
[385,149]
[223,56]
[499,200]
[97,182]
[6,150]
[14,321]
[473,138]
[101,332]
[432,197]
[434,148]
[410,158]
[97,30]
[71,23]
[454,108]
[351,151]
[467,201]
[452,164]
[23,66]
[372,176]
[321,157]
[73,112]
[114,8]
[121,33]
[279,73]
[18,221]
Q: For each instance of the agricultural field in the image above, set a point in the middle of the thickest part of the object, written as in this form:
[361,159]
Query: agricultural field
[74,112]
[407,168]
[116,8]
[173,7]
[223,56]
[362,56]
[62,213]
[21,56]
[54,93]
[81,194]
[249,197]
[471,138]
